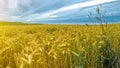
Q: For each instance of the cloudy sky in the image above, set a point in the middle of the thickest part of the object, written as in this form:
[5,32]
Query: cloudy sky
[58,11]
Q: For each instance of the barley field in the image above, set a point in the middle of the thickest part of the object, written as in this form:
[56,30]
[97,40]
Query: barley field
[60,46]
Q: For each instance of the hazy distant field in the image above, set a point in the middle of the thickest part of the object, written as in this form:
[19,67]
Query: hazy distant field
[59,46]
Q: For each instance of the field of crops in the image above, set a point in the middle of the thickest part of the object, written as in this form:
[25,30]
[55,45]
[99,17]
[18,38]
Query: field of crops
[59,46]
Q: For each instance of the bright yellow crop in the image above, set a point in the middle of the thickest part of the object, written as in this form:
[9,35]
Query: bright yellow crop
[59,46]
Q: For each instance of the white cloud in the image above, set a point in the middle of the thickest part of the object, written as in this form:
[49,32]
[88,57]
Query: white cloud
[2,6]
[68,8]
[9,18]
[8,9]
[13,4]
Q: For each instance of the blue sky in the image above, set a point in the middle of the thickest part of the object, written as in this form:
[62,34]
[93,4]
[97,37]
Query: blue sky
[58,11]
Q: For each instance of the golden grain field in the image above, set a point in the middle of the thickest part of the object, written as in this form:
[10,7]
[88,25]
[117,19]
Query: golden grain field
[59,46]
